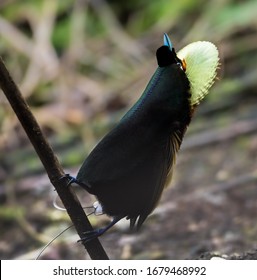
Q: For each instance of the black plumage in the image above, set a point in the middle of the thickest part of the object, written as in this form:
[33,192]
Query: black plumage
[128,169]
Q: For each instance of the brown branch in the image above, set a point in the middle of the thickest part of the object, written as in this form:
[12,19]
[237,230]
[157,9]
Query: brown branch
[50,162]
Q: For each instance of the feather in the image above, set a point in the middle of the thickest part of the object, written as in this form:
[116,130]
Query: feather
[202,61]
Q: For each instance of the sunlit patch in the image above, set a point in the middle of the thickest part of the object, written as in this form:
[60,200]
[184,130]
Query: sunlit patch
[200,61]
[98,208]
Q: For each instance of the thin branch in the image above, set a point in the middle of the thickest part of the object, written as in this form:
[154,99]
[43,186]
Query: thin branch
[50,162]
[116,33]
[16,38]
[212,136]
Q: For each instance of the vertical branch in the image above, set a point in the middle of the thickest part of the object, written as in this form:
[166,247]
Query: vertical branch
[50,162]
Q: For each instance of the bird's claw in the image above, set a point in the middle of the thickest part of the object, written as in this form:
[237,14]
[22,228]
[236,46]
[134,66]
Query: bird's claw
[90,235]
[71,179]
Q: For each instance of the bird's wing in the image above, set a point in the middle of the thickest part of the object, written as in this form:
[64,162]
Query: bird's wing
[165,174]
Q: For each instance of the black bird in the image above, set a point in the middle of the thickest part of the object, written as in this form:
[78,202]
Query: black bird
[129,168]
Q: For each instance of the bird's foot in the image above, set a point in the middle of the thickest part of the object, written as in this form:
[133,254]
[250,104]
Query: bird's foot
[90,235]
[71,179]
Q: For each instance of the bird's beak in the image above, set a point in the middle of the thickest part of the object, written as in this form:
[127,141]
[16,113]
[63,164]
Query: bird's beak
[166,41]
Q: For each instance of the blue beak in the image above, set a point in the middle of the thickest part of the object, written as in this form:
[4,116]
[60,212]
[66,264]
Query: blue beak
[166,41]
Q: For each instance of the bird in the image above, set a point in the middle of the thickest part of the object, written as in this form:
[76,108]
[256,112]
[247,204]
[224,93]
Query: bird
[130,167]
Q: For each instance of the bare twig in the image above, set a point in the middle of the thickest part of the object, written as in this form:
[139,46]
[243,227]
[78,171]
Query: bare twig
[116,32]
[13,35]
[212,136]
[231,184]
[50,162]
[44,62]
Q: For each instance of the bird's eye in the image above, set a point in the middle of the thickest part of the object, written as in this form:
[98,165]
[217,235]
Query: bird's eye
[182,64]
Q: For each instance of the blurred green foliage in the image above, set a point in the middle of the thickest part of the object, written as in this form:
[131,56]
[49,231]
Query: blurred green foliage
[89,60]
[93,52]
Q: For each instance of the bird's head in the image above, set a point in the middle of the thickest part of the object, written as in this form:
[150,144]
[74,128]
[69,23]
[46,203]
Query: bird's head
[199,61]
